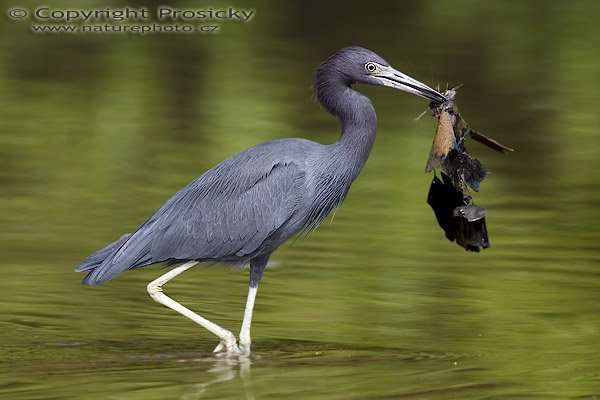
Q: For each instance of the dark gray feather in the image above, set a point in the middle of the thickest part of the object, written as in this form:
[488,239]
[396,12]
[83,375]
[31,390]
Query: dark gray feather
[224,215]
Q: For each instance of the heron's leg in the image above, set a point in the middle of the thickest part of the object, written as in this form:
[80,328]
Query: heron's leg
[257,268]
[156,292]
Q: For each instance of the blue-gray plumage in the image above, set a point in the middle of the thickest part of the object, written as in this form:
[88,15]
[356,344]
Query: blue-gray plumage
[244,208]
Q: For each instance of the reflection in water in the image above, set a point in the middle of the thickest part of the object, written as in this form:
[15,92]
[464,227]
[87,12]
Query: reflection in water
[225,369]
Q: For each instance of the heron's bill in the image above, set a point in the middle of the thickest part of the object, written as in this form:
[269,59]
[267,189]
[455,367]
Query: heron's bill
[396,79]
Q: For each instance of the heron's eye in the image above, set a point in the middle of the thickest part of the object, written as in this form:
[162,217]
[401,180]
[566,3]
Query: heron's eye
[371,67]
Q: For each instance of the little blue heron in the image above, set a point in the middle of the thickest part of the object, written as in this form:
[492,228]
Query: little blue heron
[240,211]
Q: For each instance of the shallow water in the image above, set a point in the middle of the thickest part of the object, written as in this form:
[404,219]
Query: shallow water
[97,131]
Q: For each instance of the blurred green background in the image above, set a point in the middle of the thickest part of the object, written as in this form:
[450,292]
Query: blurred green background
[98,130]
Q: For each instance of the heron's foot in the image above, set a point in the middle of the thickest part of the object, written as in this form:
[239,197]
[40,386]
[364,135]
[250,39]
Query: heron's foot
[228,345]
[244,346]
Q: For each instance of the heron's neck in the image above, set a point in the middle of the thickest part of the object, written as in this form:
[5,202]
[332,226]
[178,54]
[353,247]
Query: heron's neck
[355,111]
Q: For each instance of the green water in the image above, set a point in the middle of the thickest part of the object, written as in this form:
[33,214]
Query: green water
[97,131]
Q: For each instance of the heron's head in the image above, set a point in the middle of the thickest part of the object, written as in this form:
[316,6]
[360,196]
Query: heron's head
[360,65]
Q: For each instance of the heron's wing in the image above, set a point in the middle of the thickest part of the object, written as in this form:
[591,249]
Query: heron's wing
[229,218]
[225,214]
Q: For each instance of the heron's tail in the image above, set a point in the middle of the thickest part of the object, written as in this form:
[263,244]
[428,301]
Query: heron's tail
[103,265]
[98,257]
